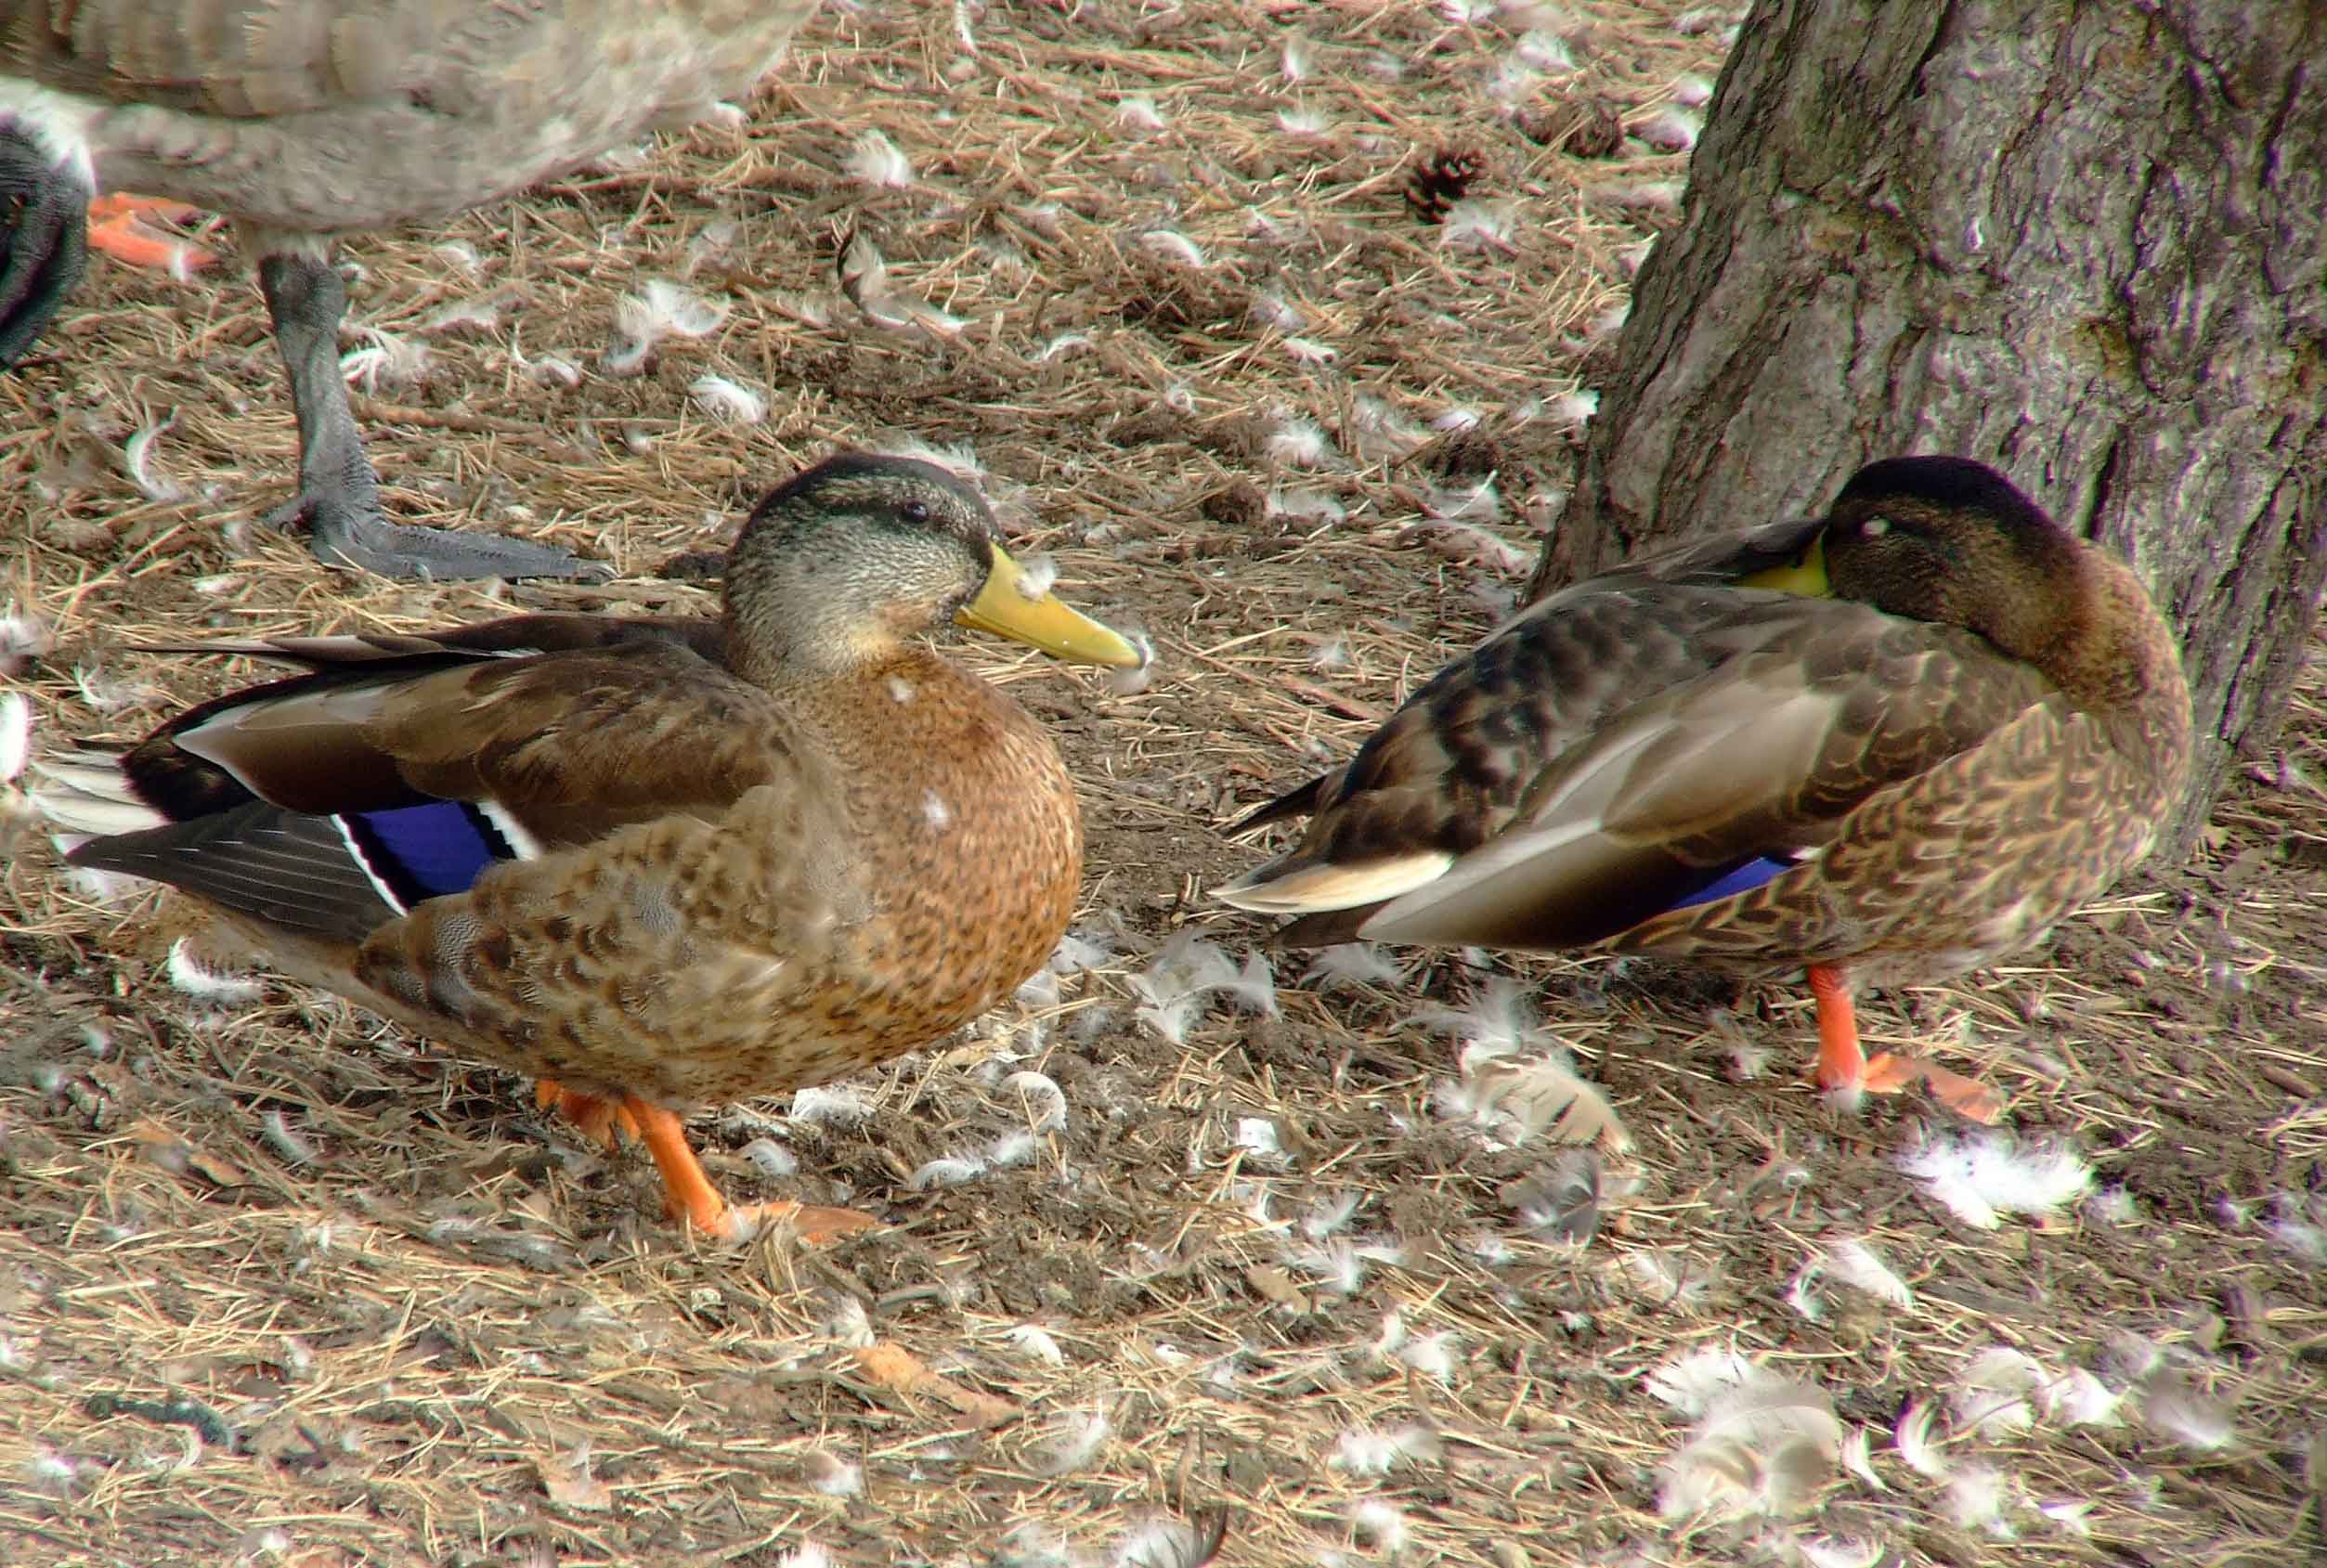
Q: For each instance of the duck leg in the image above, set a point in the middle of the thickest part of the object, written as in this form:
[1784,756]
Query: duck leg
[889,1365]
[116,226]
[44,235]
[688,1192]
[690,1195]
[339,494]
[1843,1065]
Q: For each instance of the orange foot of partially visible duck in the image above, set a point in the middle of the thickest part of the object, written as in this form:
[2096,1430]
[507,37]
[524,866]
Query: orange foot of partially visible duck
[687,1192]
[1842,1065]
[117,228]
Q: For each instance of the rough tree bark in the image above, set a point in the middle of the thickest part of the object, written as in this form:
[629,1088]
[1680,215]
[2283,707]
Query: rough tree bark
[2081,239]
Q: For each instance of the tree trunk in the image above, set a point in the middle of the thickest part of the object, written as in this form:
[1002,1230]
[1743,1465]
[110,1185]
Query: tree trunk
[2080,239]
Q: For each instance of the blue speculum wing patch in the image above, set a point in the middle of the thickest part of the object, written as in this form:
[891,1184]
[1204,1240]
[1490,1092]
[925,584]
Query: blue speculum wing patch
[425,851]
[1738,879]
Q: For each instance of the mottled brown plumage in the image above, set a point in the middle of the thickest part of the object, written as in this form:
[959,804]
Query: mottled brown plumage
[660,865]
[1892,744]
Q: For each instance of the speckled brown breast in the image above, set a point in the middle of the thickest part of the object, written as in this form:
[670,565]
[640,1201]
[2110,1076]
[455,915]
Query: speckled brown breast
[876,898]
[1976,858]
[1951,871]
[978,863]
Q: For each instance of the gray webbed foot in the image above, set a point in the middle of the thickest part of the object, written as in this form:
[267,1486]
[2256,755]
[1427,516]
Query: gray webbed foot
[339,497]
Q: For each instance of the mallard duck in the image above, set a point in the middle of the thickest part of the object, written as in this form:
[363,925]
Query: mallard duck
[304,120]
[657,864]
[1890,745]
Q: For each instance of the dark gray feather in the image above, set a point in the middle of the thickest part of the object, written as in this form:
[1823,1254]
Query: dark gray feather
[280,866]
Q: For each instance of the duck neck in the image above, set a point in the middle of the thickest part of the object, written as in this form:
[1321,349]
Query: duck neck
[790,654]
[2118,660]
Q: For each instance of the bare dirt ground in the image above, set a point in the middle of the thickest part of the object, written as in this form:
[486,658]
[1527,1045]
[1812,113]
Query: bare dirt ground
[280,1285]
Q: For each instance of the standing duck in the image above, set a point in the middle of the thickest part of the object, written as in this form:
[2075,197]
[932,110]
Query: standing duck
[656,864]
[1889,746]
[305,120]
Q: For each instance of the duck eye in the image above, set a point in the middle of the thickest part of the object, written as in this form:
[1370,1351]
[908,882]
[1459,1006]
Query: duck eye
[1874,527]
[914,512]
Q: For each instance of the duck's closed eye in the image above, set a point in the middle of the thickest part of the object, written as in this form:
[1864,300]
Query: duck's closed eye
[1874,527]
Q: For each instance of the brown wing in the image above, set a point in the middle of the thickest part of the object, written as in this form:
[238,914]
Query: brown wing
[1457,751]
[1765,759]
[329,762]
[569,745]
[1445,773]
[1618,752]
[331,803]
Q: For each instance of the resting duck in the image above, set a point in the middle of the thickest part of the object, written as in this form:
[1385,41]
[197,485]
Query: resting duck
[1887,745]
[656,864]
[305,120]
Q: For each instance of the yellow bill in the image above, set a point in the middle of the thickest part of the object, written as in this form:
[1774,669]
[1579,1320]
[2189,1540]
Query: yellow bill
[1006,608]
[1805,574]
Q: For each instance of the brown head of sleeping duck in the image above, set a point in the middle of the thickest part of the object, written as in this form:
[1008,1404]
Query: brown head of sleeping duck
[1893,745]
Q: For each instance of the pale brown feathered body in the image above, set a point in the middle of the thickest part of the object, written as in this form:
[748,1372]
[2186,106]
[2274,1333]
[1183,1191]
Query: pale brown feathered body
[1965,863]
[325,117]
[654,864]
[818,922]
[1935,800]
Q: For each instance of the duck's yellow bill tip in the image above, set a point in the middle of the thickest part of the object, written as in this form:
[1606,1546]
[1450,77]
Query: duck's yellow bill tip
[1013,604]
[1805,575]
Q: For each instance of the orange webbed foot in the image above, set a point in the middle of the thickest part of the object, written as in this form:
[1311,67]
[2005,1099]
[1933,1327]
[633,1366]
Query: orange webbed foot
[689,1194]
[1892,1074]
[1844,1069]
[117,226]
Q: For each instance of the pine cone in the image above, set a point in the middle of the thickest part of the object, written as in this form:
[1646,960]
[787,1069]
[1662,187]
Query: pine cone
[1470,454]
[1441,180]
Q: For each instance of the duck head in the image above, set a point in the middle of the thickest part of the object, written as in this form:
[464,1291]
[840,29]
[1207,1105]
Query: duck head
[837,568]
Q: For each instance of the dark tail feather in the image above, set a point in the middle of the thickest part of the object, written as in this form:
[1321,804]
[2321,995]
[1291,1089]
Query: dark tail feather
[292,871]
[1295,803]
